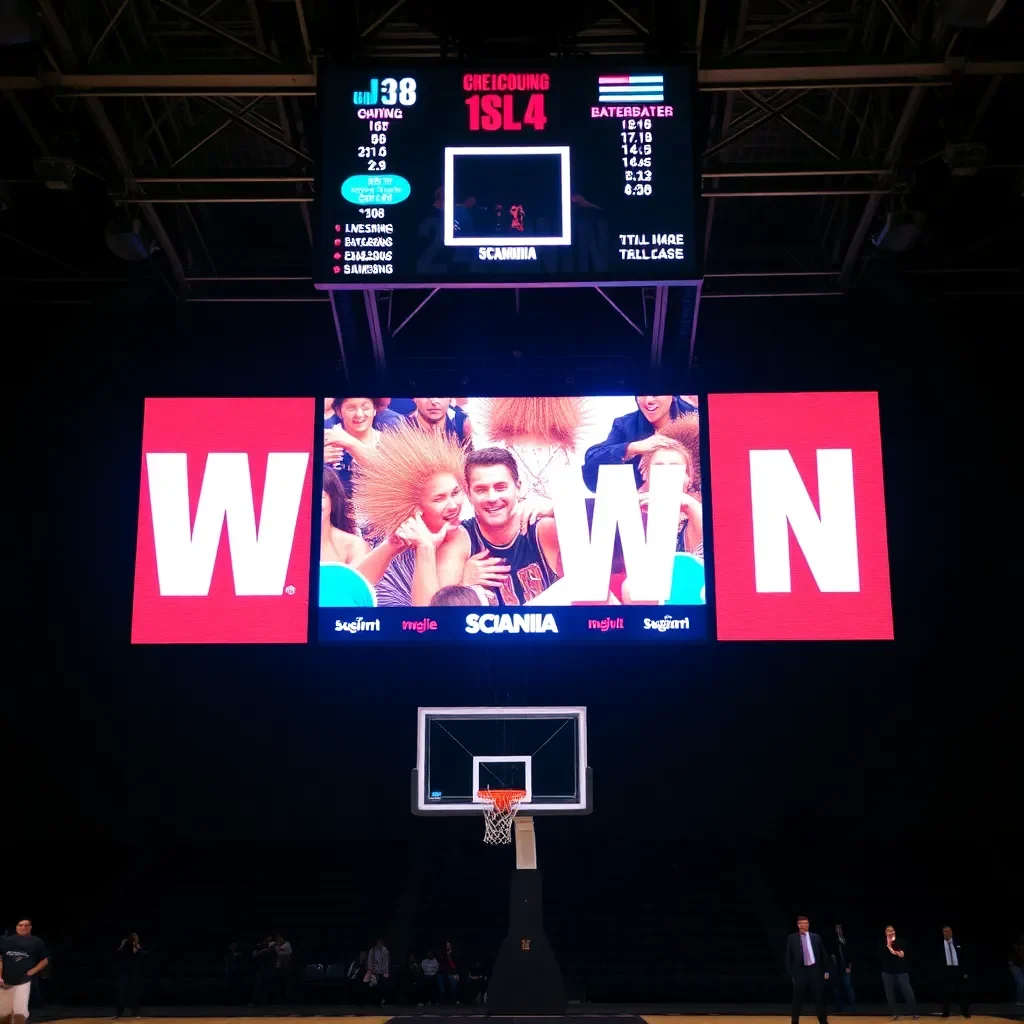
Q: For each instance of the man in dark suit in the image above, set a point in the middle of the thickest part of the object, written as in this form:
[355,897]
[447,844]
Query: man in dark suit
[953,966]
[807,964]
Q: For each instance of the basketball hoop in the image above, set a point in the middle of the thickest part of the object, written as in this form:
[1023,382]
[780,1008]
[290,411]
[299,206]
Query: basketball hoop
[500,807]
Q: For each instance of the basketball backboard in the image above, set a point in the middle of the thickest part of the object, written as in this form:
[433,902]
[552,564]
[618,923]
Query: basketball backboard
[542,750]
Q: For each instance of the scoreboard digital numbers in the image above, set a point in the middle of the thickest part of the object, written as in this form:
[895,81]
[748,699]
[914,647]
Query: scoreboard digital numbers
[494,177]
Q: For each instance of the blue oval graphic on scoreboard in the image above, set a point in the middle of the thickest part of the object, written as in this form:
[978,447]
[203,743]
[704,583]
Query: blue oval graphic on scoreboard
[375,189]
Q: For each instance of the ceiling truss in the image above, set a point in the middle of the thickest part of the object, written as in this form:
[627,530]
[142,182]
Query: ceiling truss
[201,106]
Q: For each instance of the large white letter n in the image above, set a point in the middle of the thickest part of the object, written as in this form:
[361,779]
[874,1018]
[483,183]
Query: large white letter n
[779,500]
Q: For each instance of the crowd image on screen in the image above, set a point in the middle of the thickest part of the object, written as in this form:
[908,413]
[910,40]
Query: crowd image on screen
[450,501]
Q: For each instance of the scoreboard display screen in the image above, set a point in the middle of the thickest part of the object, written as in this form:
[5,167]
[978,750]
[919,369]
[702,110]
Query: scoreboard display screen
[493,177]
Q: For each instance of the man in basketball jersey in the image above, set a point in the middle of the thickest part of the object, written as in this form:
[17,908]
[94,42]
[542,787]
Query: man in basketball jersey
[492,549]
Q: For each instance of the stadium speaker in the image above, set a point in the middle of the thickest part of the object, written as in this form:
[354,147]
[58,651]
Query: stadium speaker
[18,23]
[969,13]
[900,231]
[125,240]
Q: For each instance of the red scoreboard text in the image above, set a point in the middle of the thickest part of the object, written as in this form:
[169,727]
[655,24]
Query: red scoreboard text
[506,102]
[799,517]
[224,520]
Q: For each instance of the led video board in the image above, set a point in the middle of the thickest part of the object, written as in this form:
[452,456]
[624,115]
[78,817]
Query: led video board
[481,518]
[530,519]
[562,175]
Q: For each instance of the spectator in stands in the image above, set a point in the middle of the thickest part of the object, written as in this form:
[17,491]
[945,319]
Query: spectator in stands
[263,956]
[355,977]
[355,432]
[129,976]
[233,974]
[378,965]
[448,974]
[474,988]
[410,981]
[233,960]
[438,414]
[458,596]
[22,958]
[339,539]
[430,967]
[282,969]
[634,435]
[1017,967]
[895,971]
[843,972]
[411,494]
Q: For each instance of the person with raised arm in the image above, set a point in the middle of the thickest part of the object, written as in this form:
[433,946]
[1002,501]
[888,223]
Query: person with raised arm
[895,971]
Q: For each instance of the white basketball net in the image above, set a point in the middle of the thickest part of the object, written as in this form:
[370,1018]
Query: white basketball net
[499,813]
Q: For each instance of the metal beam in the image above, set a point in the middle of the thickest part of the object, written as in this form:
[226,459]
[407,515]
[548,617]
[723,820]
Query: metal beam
[709,79]
[871,206]
[179,200]
[376,24]
[777,27]
[216,30]
[750,124]
[376,335]
[23,117]
[247,122]
[337,331]
[169,84]
[117,150]
[782,193]
[693,324]
[658,326]
[228,178]
[111,25]
[797,172]
[413,313]
[223,126]
[757,101]
[837,76]
[611,302]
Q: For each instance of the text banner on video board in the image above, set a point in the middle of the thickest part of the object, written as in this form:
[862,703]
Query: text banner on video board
[223,539]
[562,175]
[799,517]
[533,518]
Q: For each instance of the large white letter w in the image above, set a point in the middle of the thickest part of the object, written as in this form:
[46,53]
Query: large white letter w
[185,556]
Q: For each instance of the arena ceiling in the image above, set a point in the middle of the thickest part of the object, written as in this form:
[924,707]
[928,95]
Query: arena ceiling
[847,144]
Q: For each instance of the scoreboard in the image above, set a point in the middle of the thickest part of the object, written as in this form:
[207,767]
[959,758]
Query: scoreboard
[498,176]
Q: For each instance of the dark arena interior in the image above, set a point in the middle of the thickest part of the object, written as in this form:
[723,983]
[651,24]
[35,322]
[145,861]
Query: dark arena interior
[207,778]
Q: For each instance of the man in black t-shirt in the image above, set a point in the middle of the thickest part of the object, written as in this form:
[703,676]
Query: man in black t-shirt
[22,957]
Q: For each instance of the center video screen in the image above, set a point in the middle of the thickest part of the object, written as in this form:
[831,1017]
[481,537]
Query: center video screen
[460,519]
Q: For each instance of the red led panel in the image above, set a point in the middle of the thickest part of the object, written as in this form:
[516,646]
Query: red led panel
[799,517]
[224,521]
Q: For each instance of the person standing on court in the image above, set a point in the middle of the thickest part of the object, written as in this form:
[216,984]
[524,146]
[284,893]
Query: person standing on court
[954,974]
[844,971]
[895,972]
[807,964]
[22,957]
[378,967]
[128,995]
